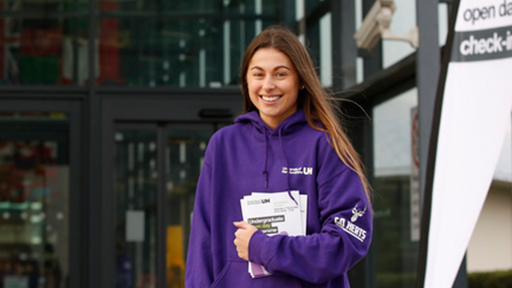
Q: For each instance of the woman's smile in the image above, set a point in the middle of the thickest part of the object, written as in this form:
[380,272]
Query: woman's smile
[270,98]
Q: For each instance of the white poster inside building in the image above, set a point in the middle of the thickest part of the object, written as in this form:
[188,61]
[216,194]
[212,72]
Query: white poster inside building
[476,107]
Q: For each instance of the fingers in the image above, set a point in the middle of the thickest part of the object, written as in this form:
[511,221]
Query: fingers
[239,233]
[242,237]
[241,224]
[241,249]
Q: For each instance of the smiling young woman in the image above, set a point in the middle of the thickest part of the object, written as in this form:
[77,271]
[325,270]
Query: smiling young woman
[288,125]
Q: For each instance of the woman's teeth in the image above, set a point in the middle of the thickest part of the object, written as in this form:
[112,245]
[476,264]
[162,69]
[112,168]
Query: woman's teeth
[270,98]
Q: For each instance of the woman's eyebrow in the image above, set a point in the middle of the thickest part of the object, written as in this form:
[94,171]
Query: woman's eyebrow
[275,68]
[282,66]
[256,67]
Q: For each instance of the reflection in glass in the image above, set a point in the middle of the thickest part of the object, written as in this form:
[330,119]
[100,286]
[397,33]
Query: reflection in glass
[178,43]
[395,246]
[135,190]
[326,50]
[34,199]
[184,159]
[43,42]
[139,43]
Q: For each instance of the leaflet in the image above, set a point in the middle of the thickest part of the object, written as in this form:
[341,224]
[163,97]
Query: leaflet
[273,214]
[303,203]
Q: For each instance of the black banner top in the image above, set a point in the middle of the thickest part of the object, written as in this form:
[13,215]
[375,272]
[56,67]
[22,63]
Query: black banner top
[481,45]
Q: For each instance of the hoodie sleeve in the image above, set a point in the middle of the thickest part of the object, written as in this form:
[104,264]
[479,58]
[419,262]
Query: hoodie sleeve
[344,238]
[199,268]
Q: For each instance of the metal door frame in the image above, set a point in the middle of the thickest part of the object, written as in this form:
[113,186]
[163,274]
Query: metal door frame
[148,111]
[77,210]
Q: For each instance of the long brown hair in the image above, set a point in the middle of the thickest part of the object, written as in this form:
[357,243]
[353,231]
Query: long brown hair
[318,106]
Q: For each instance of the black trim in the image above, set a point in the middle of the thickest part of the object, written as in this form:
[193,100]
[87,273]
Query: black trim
[215,114]
[385,84]
[161,239]
[319,11]
[372,59]
[427,75]
[344,48]
[95,267]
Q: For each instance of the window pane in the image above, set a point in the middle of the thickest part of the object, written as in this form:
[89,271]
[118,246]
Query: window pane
[326,50]
[34,199]
[404,19]
[184,159]
[184,44]
[395,241]
[43,42]
[136,220]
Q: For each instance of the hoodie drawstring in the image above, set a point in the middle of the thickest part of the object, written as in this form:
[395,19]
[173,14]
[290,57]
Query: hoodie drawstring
[265,172]
[287,169]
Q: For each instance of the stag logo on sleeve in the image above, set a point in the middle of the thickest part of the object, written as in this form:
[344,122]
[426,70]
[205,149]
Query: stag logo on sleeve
[349,226]
[357,213]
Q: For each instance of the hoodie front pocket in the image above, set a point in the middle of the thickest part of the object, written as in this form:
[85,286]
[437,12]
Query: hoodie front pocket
[236,274]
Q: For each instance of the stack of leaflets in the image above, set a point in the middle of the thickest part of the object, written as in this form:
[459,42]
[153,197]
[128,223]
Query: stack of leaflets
[273,214]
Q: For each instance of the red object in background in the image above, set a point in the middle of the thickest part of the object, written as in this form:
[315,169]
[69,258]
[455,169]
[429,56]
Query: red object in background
[27,160]
[41,42]
[109,46]
[11,187]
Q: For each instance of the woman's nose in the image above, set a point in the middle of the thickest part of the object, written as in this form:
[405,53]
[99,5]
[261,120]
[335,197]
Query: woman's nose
[268,84]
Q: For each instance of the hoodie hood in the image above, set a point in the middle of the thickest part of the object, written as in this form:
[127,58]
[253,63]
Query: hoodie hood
[288,126]
[261,131]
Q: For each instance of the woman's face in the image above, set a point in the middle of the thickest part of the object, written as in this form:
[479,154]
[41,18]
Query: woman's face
[273,85]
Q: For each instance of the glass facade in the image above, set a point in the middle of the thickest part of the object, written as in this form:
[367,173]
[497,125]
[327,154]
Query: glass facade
[34,199]
[139,43]
[396,230]
[178,43]
[43,42]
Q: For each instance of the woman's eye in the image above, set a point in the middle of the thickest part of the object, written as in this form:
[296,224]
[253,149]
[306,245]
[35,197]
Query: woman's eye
[281,74]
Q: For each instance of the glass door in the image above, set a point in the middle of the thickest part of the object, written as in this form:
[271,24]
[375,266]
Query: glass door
[136,191]
[185,147]
[40,191]
[155,174]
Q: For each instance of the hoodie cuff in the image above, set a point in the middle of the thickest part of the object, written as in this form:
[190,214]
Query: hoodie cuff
[256,247]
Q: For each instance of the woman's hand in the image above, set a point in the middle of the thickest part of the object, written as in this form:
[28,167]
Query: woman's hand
[242,237]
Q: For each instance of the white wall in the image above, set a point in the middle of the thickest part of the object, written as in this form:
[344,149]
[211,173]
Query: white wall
[490,248]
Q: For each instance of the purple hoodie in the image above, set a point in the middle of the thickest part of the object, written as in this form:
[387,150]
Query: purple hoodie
[250,157]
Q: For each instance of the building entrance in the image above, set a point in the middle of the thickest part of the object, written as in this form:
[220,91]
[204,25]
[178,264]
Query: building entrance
[153,152]
[155,174]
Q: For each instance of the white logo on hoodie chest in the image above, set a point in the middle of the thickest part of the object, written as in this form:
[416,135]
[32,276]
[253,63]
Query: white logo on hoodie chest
[298,171]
